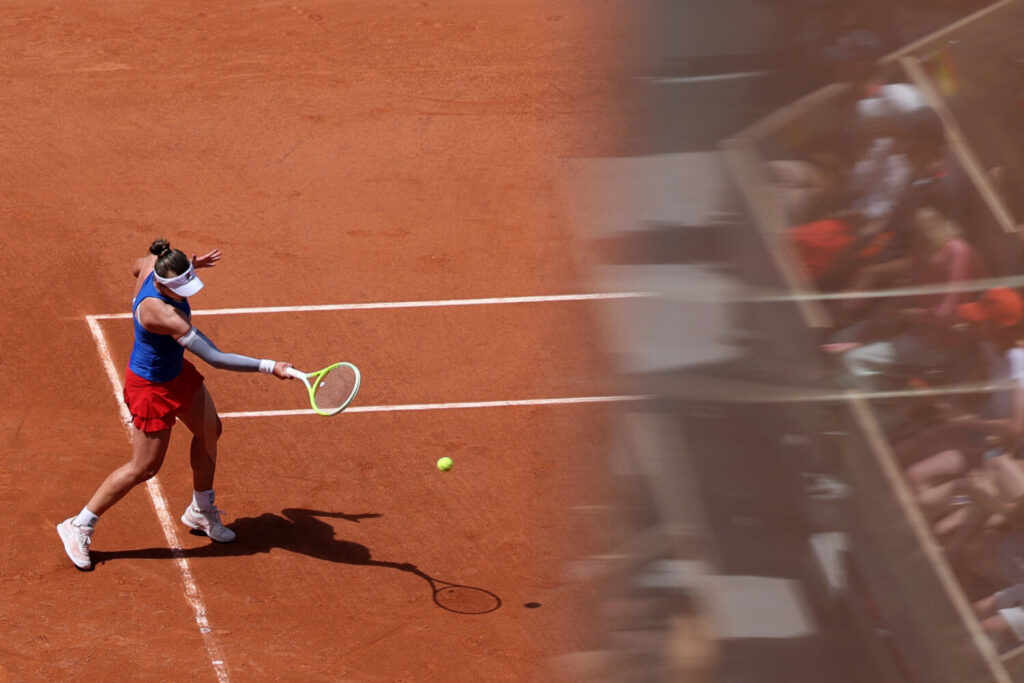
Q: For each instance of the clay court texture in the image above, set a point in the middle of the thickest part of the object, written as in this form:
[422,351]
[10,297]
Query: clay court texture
[338,153]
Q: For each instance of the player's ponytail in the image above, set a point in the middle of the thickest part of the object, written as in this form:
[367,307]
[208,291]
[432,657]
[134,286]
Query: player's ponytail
[169,262]
[159,246]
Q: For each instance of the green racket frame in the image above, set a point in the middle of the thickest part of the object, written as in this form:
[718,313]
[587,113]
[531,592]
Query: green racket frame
[312,381]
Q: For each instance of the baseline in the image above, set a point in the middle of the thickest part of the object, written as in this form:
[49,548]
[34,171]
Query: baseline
[401,304]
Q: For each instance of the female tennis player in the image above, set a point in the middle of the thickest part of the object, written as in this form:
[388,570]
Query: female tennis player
[161,386]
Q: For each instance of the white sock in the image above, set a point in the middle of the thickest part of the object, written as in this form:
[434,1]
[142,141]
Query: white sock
[203,500]
[86,518]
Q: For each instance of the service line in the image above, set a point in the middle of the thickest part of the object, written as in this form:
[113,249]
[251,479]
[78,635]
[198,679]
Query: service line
[446,406]
[192,593]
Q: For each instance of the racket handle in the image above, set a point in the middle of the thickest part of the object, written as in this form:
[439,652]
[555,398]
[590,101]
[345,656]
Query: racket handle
[297,374]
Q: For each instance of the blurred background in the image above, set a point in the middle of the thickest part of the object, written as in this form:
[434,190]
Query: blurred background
[822,199]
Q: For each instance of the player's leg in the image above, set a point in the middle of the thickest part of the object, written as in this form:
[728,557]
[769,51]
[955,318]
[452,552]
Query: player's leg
[201,419]
[148,451]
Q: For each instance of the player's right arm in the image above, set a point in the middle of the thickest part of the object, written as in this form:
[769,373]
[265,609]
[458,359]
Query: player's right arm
[162,318]
[143,265]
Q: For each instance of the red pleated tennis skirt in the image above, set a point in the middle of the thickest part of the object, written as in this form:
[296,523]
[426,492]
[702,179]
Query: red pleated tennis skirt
[156,405]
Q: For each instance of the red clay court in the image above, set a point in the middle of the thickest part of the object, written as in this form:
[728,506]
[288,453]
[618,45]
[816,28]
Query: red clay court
[366,169]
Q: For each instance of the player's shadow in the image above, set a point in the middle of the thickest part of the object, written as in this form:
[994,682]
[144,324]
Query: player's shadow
[302,531]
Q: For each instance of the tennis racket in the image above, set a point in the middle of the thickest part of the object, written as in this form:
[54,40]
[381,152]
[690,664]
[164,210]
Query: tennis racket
[332,389]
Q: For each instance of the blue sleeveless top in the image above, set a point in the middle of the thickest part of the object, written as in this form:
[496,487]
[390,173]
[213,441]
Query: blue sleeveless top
[156,357]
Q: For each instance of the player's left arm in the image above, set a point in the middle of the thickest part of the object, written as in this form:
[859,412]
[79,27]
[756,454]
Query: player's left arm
[143,265]
[207,260]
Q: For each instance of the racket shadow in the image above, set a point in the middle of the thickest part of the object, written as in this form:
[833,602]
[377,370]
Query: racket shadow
[304,532]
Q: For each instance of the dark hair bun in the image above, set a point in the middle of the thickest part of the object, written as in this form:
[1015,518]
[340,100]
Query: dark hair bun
[159,246]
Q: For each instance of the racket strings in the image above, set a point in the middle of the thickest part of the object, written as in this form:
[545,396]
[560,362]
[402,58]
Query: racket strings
[335,388]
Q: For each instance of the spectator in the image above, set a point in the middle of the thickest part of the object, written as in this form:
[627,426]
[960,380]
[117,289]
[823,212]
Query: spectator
[863,195]
[877,180]
[997,556]
[995,318]
[994,493]
[939,256]
[1002,616]
[892,99]
[931,338]
[884,212]
[804,188]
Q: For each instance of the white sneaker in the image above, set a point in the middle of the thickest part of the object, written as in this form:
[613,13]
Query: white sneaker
[76,542]
[208,522]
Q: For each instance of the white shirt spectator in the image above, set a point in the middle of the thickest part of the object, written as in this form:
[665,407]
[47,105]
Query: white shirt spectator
[879,179]
[891,100]
[1003,367]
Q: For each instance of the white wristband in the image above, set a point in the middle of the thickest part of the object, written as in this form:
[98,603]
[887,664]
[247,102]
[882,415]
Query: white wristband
[267,366]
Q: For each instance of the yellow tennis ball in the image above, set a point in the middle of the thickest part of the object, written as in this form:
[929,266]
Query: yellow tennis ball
[444,464]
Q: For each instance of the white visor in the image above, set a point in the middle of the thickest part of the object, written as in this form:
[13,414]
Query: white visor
[186,284]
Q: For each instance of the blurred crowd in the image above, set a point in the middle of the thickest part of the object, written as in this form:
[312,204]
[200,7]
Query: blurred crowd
[820,31]
[882,214]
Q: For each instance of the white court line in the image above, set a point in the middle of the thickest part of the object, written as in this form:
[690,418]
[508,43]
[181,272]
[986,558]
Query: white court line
[445,406]
[403,304]
[156,493]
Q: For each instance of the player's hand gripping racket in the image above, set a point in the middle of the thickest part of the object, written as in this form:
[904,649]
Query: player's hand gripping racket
[332,389]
